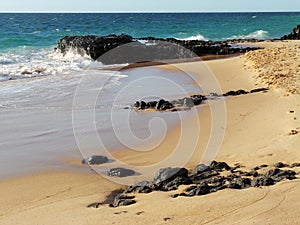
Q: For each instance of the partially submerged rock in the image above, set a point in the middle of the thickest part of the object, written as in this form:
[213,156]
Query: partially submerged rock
[144,49]
[95,160]
[294,35]
[188,102]
[120,172]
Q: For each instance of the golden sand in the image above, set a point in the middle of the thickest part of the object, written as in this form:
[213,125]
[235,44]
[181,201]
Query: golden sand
[258,131]
[277,67]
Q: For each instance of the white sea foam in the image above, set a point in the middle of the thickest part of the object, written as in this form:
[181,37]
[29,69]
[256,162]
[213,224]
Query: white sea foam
[32,63]
[259,34]
[197,37]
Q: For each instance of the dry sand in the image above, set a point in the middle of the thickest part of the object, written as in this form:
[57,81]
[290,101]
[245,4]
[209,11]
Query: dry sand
[277,65]
[257,132]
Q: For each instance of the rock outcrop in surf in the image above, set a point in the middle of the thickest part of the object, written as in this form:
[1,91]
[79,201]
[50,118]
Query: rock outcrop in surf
[144,49]
[294,35]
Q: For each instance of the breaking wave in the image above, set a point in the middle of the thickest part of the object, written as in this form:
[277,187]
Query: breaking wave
[197,37]
[259,34]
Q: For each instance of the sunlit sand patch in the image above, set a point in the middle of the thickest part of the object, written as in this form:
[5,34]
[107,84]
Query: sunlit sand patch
[277,67]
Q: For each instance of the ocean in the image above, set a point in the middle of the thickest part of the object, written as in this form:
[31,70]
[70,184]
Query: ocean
[28,40]
[73,107]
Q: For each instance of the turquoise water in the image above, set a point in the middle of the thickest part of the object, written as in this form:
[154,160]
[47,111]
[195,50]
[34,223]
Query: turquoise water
[44,30]
[27,40]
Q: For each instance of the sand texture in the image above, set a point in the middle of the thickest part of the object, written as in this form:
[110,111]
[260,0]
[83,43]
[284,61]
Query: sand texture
[259,130]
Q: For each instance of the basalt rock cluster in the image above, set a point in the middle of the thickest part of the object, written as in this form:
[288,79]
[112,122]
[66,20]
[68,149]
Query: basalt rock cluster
[188,102]
[206,179]
[144,49]
[294,35]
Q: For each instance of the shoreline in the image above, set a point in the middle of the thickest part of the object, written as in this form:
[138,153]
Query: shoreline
[254,135]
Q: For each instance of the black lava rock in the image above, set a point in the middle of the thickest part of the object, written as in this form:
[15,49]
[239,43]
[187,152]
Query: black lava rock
[260,167]
[142,187]
[160,103]
[143,105]
[204,180]
[152,104]
[294,35]
[123,200]
[280,165]
[219,166]
[169,178]
[262,181]
[240,183]
[175,183]
[120,172]
[188,102]
[200,168]
[199,177]
[284,174]
[161,49]
[259,90]
[166,105]
[136,105]
[94,46]
[198,99]
[295,165]
[95,160]
[235,93]
[201,189]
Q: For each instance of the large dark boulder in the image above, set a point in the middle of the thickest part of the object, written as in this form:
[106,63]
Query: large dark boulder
[168,174]
[168,179]
[200,169]
[294,35]
[219,166]
[143,49]
[94,46]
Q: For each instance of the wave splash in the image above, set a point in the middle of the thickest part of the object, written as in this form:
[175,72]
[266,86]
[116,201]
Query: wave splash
[197,37]
[28,63]
[259,34]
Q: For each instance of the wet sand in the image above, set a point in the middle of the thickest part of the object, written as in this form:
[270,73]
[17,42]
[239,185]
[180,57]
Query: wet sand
[258,131]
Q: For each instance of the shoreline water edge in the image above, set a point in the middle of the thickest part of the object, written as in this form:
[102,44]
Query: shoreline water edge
[166,108]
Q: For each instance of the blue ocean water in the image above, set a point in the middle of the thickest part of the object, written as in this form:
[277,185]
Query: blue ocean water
[27,39]
[44,30]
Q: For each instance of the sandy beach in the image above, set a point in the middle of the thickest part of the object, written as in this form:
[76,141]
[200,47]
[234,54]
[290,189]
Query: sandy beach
[261,128]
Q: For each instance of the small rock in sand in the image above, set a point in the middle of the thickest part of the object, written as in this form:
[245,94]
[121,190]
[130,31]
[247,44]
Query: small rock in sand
[120,172]
[95,160]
